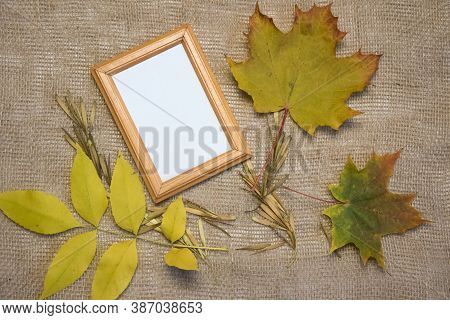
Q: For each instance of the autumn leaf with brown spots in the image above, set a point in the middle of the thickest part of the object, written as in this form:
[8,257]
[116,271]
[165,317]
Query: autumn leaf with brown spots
[367,209]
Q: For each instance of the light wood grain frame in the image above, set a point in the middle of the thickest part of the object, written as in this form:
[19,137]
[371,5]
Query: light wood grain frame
[158,189]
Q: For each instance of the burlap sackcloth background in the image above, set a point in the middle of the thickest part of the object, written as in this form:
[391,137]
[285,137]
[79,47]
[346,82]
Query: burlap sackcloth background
[48,47]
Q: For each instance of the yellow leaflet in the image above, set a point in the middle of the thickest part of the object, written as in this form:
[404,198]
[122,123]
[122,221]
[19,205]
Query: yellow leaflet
[127,196]
[70,262]
[181,258]
[115,270]
[299,70]
[37,211]
[173,222]
[87,190]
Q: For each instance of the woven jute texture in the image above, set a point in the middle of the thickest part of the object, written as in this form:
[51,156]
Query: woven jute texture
[48,47]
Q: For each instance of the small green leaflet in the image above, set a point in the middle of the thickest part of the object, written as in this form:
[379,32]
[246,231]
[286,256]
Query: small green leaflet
[115,270]
[37,211]
[173,222]
[70,262]
[87,190]
[127,196]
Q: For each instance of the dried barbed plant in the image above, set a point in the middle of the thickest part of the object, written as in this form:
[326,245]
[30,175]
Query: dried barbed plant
[271,211]
[153,219]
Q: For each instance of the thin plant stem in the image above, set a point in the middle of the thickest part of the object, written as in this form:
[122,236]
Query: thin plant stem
[164,244]
[309,196]
[110,232]
[176,245]
[272,149]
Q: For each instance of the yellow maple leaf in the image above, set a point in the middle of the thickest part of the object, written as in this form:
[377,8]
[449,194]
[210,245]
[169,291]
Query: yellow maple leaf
[299,70]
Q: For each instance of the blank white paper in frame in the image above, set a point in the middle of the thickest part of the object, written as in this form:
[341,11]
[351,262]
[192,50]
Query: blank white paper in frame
[172,112]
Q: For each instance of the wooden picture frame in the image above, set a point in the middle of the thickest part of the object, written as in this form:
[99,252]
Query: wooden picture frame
[160,190]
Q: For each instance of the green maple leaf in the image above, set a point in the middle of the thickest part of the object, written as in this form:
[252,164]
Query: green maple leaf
[299,70]
[368,210]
